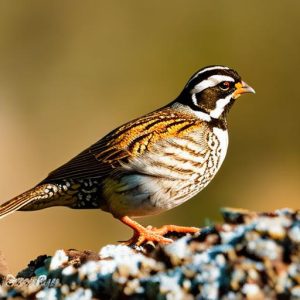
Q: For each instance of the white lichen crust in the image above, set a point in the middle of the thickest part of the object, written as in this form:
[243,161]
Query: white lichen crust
[250,256]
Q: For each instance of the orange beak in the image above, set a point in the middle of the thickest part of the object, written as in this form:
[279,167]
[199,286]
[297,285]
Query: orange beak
[242,88]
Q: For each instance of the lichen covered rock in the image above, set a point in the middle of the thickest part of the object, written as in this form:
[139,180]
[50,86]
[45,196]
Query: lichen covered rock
[250,256]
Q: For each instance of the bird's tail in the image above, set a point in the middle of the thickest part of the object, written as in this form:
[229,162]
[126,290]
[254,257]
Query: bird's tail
[34,199]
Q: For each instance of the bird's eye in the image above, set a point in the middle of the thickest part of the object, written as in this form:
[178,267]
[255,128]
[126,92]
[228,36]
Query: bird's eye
[224,86]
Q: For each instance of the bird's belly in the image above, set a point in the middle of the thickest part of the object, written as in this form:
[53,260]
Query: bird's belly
[161,183]
[140,195]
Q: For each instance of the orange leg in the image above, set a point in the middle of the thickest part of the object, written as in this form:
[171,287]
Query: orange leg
[144,234]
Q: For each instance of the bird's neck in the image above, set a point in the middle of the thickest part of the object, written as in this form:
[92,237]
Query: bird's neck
[219,122]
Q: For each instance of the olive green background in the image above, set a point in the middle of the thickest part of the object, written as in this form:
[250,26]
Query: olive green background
[70,71]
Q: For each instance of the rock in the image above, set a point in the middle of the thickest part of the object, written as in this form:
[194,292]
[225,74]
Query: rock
[250,256]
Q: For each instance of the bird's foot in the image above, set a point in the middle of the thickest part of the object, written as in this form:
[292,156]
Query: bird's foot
[146,235]
[142,234]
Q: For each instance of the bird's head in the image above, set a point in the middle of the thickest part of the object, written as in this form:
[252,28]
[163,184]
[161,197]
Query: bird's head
[211,91]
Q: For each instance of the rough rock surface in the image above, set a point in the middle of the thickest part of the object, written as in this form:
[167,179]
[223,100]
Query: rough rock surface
[250,256]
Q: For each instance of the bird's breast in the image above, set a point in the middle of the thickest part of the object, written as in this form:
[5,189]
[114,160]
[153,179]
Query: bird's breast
[171,173]
[222,137]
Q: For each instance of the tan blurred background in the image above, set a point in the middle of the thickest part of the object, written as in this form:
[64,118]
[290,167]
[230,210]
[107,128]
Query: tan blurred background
[70,71]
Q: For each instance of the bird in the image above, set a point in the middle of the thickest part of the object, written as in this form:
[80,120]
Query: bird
[150,164]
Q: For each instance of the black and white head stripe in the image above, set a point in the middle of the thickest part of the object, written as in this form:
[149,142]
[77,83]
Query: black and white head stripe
[204,70]
[204,92]
[205,73]
[211,81]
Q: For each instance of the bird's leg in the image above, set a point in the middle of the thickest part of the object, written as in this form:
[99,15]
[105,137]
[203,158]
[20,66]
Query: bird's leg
[144,234]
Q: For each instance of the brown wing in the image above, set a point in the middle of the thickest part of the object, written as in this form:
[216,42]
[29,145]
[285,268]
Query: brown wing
[127,141]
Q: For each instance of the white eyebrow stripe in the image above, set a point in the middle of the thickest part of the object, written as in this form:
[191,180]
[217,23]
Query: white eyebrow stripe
[209,69]
[210,82]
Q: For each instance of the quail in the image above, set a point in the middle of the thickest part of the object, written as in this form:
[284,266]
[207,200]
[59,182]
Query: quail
[151,164]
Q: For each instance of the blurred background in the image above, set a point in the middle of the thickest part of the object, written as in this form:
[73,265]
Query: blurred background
[71,71]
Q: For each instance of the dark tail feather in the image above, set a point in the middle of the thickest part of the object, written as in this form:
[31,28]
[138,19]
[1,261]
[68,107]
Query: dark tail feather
[31,200]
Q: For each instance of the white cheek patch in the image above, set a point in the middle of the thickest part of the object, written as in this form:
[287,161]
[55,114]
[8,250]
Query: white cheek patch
[210,82]
[220,106]
[201,115]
